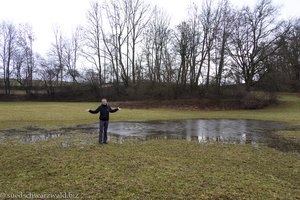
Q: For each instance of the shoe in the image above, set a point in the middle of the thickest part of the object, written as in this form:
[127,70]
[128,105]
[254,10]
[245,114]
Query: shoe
[105,143]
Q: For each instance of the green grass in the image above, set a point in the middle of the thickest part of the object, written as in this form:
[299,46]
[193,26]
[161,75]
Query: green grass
[290,135]
[51,114]
[43,114]
[152,170]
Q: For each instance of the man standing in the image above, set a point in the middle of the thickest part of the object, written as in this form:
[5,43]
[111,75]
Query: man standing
[104,110]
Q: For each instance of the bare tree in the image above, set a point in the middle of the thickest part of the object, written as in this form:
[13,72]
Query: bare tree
[93,37]
[112,42]
[24,58]
[157,36]
[182,45]
[117,19]
[137,21]
[71,54]
[283,67]
[126,20]
[198,49]
[252,36]
[48,73]
[222,38]
[8,40]
[292,49]
[57,52]
[210,19]
[195,39]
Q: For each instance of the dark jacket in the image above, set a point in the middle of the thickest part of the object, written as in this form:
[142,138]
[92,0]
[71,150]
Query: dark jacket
[104,111]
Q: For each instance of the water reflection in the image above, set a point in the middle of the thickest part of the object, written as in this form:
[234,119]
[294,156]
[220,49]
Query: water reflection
[198,130]
[236,131]
[40,137]
[199,139]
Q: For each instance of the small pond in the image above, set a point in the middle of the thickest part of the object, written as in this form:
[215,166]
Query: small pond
[199,130]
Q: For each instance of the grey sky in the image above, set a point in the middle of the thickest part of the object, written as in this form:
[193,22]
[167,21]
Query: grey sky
[43,15]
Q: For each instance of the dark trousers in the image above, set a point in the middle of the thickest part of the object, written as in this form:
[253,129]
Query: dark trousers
[103,131]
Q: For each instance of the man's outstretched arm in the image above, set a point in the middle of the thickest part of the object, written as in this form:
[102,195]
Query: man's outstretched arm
[113,110]
[94,111]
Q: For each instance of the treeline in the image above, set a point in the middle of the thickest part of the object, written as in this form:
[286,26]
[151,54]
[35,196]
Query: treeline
[128,47]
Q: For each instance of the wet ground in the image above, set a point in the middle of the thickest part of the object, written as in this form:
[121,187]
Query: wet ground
[198,130]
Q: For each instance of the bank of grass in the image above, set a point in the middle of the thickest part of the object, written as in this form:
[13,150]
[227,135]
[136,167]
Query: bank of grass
[152,170]
[57,114]
[293,135]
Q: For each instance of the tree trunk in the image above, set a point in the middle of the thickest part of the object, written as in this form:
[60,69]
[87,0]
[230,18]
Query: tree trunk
[208,69]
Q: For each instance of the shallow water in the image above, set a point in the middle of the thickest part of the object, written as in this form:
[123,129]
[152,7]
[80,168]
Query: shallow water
[199,130]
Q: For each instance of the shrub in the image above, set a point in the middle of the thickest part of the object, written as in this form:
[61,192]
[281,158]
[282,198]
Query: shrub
[257,100]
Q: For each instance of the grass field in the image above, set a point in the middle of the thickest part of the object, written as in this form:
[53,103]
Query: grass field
[54,114]
[152,170]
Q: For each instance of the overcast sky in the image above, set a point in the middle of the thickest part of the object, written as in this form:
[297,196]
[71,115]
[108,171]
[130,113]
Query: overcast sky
[43,15]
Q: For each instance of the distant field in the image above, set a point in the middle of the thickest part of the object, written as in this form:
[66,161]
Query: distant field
[51,114]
